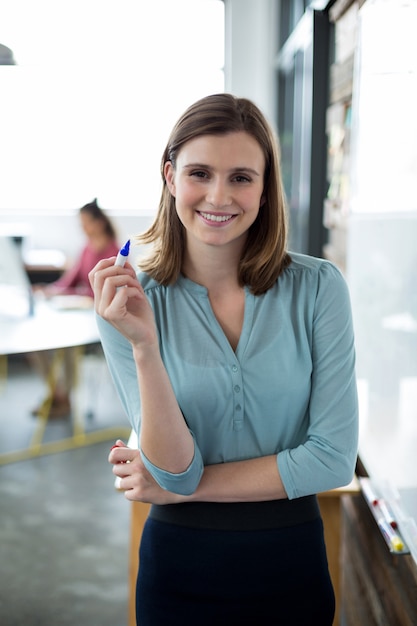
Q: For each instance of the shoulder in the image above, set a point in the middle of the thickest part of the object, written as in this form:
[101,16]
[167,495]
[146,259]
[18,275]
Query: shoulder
[313,278]
[304,262]
[321,283]
[303,266]
[160,296]
[148,283]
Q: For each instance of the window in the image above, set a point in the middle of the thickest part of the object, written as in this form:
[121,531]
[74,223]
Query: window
[96,88]
[302,101]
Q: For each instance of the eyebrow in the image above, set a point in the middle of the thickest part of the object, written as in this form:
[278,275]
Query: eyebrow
[235,170]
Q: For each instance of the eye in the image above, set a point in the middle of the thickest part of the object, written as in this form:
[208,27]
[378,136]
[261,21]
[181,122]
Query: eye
[199,174]
[241,178]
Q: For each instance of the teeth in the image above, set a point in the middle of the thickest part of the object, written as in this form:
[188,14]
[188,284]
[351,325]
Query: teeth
[216,218]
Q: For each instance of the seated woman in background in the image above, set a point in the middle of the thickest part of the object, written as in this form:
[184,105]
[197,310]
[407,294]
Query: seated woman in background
[101,243]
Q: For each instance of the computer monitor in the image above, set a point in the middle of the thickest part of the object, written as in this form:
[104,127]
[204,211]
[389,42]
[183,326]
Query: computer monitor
[16,299]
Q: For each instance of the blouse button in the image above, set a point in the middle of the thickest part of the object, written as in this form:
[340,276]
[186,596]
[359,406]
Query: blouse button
[236,388]
[234,368]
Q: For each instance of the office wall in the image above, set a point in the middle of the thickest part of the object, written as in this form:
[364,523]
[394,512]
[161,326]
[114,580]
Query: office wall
[251,46]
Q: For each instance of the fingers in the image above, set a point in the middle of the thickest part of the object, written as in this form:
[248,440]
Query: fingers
[132,477]
[97,268]
[106,280]
[120,453]
[112,287]
[119,444]
[105,269]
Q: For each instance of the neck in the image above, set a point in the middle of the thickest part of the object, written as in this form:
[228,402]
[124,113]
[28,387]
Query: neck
[214,267]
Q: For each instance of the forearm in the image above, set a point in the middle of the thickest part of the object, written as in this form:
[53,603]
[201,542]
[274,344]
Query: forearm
[164,435]
[253,480]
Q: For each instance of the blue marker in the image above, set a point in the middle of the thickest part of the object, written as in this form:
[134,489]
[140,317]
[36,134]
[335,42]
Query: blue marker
[123,254]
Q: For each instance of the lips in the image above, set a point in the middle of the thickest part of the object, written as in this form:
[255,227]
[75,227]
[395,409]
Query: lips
[211,217]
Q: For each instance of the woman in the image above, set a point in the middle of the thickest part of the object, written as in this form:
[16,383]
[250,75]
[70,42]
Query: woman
[101,243]
[235,363]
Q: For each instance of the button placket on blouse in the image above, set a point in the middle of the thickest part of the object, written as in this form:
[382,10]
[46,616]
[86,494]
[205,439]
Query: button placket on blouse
[238,407]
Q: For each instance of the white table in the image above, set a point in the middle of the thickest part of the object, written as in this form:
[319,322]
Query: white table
[53,328]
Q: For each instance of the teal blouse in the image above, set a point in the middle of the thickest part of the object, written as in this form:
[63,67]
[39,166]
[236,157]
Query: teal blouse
[289,389]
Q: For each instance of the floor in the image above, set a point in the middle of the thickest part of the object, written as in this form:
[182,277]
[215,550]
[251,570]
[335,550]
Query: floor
[64,528]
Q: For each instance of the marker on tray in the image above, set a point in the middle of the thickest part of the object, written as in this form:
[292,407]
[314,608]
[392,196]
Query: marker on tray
[388,516]
[376,503]
[390,535]
[123,254]
[368,492]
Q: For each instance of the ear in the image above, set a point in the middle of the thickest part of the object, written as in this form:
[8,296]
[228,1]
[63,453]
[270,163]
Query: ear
[169,174]
[263,200]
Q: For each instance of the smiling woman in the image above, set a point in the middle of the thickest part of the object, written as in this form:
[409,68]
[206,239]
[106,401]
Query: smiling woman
[84,111]
[234,361]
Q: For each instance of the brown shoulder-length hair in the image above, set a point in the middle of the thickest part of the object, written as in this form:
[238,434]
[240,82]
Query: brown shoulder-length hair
[265,254]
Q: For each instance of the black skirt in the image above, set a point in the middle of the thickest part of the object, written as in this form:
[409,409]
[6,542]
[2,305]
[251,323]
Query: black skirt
[257,564]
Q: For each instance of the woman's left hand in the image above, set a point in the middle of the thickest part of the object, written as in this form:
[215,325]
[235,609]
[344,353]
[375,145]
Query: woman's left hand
[135,480]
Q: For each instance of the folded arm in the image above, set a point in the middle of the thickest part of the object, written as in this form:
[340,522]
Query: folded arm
[239,481]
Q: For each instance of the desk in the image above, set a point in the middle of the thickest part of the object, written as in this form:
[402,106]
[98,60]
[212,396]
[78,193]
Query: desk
[43,274]
[44,266]
[330,503]
[53,329]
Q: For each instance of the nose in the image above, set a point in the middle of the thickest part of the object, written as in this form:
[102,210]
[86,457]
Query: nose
[218,194]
